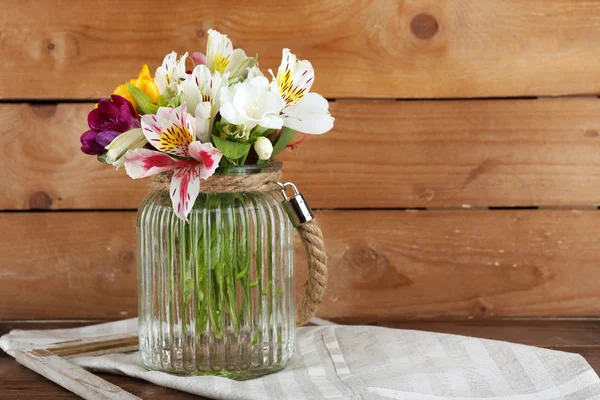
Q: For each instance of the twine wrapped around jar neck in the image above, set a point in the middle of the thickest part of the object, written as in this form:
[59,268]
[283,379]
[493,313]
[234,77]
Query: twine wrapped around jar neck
[264,179]
[232,180]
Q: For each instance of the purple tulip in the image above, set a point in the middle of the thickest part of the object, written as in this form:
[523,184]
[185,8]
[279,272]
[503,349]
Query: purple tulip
[111,118]
[89,144]
[104,138]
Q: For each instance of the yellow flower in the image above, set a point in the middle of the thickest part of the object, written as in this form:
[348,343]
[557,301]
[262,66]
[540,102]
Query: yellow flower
[144,82]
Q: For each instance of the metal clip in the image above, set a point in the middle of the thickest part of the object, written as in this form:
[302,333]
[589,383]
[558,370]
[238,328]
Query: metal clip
[296,206]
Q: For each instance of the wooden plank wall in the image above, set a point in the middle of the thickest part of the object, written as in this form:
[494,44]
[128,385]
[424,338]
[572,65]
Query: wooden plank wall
[461,180]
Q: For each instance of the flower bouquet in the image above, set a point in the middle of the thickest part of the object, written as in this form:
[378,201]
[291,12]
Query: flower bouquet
[215,246]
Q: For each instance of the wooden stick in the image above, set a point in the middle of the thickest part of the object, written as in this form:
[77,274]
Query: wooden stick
[49,363]
[100,345]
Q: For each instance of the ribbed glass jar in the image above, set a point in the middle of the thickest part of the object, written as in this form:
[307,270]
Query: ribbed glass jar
[216,295]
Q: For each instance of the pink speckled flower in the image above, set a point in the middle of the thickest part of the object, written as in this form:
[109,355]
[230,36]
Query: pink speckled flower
[172,132]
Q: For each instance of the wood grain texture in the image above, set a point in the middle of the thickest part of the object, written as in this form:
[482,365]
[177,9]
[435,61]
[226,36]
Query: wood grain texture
[381,154]
[61,265]
[20,383]
[556,333]
[383,265]
[71,376]
[395,49]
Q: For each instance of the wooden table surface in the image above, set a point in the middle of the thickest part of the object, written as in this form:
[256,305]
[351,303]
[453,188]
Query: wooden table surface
[580,336]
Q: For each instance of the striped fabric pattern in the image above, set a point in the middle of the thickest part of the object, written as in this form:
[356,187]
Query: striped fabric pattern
[367,363]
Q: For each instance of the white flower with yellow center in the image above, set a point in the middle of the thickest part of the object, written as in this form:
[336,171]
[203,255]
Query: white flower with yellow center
[303,111]
[221,57]
[170,74]
[202,92]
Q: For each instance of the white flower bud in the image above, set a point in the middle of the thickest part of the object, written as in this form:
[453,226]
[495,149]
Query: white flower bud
[133,139]
[263,147]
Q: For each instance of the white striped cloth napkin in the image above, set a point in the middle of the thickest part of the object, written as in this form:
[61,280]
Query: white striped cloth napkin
[365,362]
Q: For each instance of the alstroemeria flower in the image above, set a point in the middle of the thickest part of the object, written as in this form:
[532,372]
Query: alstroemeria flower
[172,132]
[107,121]
[303,111]
[144,82]
[250,103]
[202,94]
[170,74]
[221,57]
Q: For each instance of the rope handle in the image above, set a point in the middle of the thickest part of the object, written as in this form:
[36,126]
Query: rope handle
[300,215]
[312,238]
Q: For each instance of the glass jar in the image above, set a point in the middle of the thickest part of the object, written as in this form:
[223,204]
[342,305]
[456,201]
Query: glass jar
[216,295]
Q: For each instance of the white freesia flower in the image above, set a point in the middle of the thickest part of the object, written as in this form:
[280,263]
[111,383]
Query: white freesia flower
[221,57]
[202,92]
[170,74]
[303,111]
[133,139]
[253,72]
[264,148]
[250,103]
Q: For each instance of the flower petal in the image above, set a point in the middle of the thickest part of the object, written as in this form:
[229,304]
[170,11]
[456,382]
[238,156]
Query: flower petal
[120,101]
[163,74]
[104,138]
[169,74]
[145,82]
[253,104]
[89,145]
[116,114]
[122,91]
[238,63]
[218,50]
[141,163]
[208,156]
[203,121]
[198,58]
[129,140]
[254,72]
[170,130]
[185,187]
[260,82]
[201,76]
[294,78]
[311,115]
[190,94]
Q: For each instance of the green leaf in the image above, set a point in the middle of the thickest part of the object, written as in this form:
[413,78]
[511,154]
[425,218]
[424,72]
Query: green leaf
[219,126]
[144,104]
[232,150]
[162,102]
[284,139]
